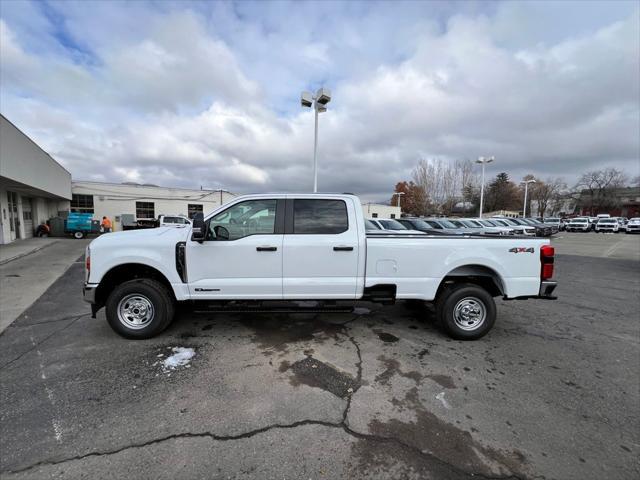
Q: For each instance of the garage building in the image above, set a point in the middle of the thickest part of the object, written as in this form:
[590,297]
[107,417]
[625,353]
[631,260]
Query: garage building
[377,210]
[33,186]
[143,201]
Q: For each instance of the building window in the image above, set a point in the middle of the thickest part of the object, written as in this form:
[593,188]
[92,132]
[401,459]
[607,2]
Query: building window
[27,215]
[393,215]
[193,208]
[145,210]
[82,203]
[374,215]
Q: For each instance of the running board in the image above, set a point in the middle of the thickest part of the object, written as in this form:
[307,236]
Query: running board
[277,307]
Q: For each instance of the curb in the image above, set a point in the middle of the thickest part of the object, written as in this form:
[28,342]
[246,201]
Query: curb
[24,254]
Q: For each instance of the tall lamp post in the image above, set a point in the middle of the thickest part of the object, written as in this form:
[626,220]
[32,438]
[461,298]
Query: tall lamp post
[319,103]
[483,161]
[398,194]
[526,189]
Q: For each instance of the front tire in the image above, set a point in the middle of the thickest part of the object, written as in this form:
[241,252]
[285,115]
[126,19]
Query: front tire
[466,311]
[78,235]
[140,308]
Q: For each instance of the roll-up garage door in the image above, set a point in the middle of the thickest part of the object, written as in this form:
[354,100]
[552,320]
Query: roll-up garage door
[27,217]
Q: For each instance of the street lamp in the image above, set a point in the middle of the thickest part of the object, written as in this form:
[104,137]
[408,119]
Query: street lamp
[398,194]
[319,102]
[526,188]
[483,161]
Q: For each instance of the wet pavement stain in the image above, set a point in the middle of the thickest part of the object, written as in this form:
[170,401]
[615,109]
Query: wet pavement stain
[317,374]
[447,442]
[392,367]
[386,337]
[443,380]
[276,332]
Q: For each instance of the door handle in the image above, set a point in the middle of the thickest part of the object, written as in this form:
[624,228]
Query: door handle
[266,249]
[342,249]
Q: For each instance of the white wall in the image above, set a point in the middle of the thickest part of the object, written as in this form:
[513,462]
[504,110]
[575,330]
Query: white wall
[21,160]
[114,199]
[376,210]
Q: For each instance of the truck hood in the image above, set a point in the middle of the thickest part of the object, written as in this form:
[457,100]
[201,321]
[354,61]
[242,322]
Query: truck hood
[146,235]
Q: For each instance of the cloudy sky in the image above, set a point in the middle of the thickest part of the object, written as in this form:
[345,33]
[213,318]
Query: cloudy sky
[207,93]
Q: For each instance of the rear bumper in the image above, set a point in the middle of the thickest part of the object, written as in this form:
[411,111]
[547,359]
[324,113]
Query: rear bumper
[545,292]
[546,289]
[89,293]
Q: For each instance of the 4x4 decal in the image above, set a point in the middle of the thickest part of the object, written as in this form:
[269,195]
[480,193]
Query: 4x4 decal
[522,250]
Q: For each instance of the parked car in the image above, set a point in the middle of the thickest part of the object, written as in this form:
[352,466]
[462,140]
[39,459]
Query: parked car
[468,227]
[634,225]
[554,222]
[502,223]
[487,229]
[520,227]
[172,220]
[622,222]
[392,226]
[607,225]
[284,247]
[491,224]
[542,229]
[420,225]
[578,225]
[443,225]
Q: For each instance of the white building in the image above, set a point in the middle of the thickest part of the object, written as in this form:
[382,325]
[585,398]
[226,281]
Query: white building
[376,210]
[33,186]
[112,200]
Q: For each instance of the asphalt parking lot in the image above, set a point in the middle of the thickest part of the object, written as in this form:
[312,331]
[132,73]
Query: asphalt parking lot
[552,392]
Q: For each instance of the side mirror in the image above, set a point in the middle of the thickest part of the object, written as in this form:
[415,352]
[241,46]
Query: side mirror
[221,232]
[198,228]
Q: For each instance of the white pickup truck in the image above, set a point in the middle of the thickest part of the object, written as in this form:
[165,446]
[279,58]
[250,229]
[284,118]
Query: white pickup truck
[261,250]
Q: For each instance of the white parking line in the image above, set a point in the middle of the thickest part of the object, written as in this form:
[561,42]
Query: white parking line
[55,423]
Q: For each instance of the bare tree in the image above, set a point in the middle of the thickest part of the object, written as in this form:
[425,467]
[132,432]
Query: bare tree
[599,185]
[546,193]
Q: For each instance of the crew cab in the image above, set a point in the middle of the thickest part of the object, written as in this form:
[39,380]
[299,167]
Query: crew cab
[260,250]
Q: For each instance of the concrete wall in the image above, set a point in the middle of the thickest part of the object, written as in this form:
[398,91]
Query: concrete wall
[34,177]
[376,210]
[21,160]
[114,199]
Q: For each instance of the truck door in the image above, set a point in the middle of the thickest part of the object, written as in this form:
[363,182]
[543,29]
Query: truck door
[320,250]
[241,257]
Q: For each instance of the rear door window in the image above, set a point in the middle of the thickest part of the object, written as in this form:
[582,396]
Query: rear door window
[319,217]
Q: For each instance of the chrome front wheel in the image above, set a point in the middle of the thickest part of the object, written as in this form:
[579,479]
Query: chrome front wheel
[135,311]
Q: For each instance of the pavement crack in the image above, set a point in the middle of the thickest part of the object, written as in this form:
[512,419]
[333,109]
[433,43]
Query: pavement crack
[212,436]
[35,345]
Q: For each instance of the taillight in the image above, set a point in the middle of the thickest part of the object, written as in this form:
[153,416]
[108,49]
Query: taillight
[87,263]
[547,253]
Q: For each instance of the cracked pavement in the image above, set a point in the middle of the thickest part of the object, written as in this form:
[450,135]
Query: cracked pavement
[551,392]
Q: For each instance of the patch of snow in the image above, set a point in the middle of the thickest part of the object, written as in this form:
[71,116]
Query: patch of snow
[361,311]
[181,357]
[440,397]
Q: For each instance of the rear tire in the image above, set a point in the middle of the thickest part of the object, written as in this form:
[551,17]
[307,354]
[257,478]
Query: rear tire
[78,235]
[140,308]
[466,311]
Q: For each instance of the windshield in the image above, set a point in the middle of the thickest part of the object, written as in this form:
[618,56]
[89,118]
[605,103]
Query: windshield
[447,224]
[486,223]
[369,225]
[500,222]
[551,220]
[472,223]
[392,225]
[421,225]
[579,220]
[607,220]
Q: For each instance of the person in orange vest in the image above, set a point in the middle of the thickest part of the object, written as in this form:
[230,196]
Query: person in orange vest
[106,225]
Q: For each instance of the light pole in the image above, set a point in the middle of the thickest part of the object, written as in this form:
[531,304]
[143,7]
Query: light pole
[398,194]
[483,161]
[526,189]
[319,102]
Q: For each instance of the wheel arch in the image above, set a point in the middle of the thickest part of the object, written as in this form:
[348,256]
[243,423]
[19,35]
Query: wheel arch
[125,272]
[480,275]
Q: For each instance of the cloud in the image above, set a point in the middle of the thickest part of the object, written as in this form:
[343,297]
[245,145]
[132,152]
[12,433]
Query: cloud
[207,94]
